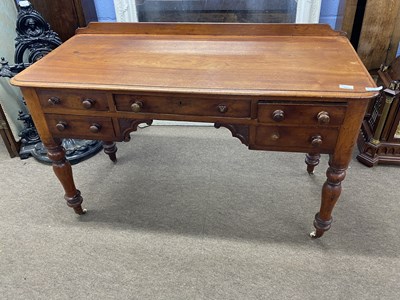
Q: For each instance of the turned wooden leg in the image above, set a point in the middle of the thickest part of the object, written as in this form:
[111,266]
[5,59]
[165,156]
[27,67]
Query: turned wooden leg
[110,148]
[312,160]
[330,194]
[62,169]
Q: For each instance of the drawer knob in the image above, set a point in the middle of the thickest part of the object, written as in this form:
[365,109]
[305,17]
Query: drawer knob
[278,115]
[95,128]
[61,125]
[137,106]
[316,141]
[323,117]
[54,100]
[88,103]
[222,108]
[275,136]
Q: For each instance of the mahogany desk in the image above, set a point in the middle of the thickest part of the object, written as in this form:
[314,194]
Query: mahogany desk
[279,87]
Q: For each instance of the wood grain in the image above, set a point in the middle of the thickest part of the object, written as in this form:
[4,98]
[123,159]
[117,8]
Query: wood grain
[376,33]
[394,42]
[306,114]
[7,136]
[348,16]
[72,100]
[78,127]
[185,106]
[229,29]
[66,16]
[241,65]
[295,139]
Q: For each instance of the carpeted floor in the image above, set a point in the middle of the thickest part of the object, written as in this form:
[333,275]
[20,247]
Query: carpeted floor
[190,213]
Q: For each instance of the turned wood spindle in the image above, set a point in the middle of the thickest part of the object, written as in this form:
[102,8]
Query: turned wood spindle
[62,169]
[330,194]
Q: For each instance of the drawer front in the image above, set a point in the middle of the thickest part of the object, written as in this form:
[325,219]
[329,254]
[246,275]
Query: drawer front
[299,138]
[96,128]
[303,114]
[183,106]
[82,100]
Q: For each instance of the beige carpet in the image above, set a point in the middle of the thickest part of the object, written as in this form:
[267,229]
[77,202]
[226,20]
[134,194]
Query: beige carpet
[190,213]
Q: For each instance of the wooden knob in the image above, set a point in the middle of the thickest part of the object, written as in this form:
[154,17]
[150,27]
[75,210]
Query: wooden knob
[275,136]
[54,100]
[137,106]
[95,128]
[323,117]
[61,125]
[316,141]
[278,115]
[222,108]
[88,103]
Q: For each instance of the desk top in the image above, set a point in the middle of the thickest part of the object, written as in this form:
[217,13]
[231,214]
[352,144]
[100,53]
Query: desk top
[230,59]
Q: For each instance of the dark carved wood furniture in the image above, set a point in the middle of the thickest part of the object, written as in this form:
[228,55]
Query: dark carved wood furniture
[67,15]
[288,87]
[379,140]
[34,40]
[11,144]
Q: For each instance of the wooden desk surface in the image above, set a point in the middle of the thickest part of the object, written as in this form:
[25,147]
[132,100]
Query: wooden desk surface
[226,62]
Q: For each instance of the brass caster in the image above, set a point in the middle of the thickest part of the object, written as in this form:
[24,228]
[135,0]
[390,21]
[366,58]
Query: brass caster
[80,211]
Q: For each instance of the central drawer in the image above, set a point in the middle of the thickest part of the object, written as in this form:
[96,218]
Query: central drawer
[144,104]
